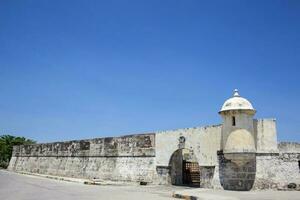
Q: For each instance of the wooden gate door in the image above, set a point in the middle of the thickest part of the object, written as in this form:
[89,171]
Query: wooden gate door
[191,174]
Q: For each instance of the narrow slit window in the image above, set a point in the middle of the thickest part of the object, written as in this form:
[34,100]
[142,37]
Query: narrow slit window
[299,165]
[233,121]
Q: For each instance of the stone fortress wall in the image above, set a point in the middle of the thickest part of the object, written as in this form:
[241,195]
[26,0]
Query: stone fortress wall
[147,158]
[279,170]
[127,158]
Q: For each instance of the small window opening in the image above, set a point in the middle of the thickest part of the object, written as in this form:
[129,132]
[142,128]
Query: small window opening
[233,121]
[299,165]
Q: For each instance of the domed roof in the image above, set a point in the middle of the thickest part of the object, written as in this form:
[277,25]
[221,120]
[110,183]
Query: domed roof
[239,141]
[237,103]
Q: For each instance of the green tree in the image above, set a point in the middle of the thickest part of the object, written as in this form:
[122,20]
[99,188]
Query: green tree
[6,146]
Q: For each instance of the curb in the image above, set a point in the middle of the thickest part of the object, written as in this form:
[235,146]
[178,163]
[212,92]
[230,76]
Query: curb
[186,197]
[92,183]
[74,180]
[59,178]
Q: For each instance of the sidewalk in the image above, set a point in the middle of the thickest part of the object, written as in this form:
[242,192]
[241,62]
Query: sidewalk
[209,194]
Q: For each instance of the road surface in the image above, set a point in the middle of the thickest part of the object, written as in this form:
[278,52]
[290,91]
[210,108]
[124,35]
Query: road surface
[15,186]
[22,187]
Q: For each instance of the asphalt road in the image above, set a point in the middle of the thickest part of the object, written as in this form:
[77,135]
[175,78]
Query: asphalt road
[22,187]
[14,186]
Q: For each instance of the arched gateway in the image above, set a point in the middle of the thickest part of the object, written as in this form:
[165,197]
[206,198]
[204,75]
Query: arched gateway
[184,168]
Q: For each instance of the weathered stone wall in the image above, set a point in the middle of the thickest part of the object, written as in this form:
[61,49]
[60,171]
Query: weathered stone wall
[235,177]
[278,170]
[265,135]
[289,147]
[203,141]
[128,158]
[206,176]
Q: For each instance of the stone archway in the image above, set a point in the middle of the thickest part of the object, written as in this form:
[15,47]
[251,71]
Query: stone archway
[184,168]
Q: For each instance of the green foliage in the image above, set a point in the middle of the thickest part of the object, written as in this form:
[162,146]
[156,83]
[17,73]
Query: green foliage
[6,146]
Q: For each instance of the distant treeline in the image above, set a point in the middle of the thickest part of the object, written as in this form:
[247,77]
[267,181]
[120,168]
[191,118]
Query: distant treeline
[6,146]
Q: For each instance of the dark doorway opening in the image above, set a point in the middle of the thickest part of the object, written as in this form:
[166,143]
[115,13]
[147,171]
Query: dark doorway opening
[190,174]
[184,168]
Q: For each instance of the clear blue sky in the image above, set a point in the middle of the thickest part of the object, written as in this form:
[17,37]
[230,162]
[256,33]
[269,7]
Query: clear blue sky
[84,69]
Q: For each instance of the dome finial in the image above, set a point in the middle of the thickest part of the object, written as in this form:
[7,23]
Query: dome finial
[236,93]
[237,103]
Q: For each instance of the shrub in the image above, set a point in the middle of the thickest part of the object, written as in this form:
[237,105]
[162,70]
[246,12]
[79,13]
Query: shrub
[6,146]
